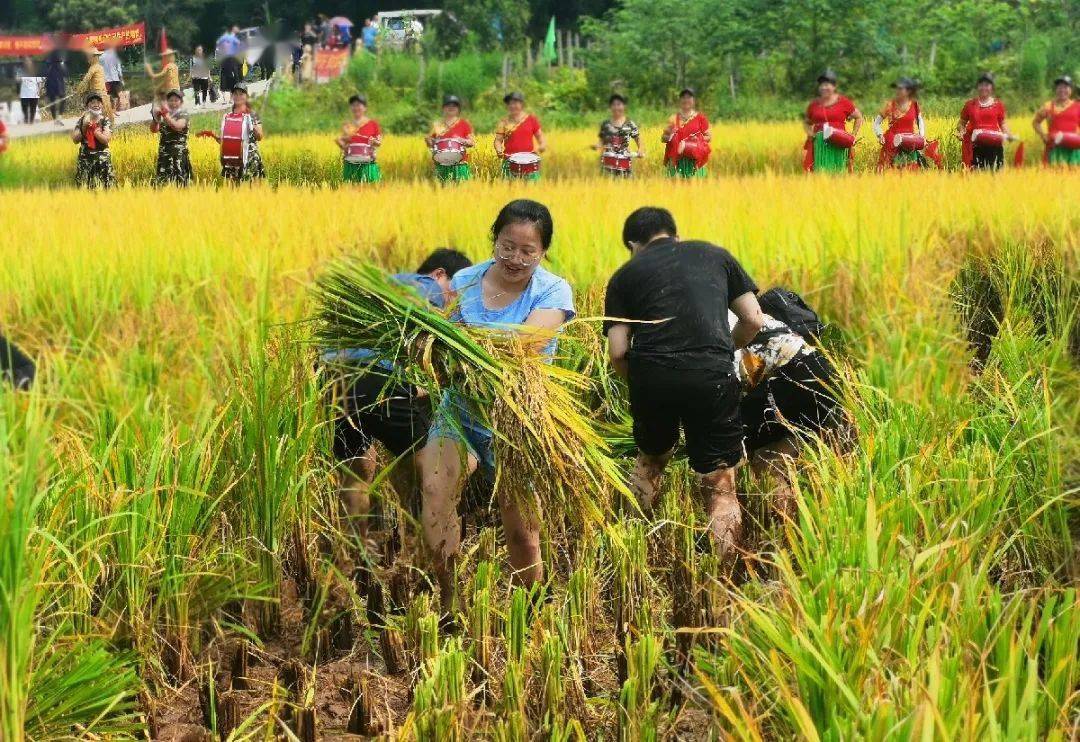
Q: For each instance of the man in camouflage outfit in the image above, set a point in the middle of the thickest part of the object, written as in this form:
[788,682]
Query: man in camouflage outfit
[92,133]
[174,159]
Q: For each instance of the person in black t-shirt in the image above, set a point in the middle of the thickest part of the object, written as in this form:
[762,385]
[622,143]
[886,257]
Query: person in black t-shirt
[677,353]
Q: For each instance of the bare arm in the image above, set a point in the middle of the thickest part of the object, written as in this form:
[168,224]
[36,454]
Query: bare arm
[178,124]
[961,126]
[500,144]
[1037,124]
[747,309]
[857,117]
[879,132]
[618,340]
[541,142]
[104,135]
[77,135]
[540,326]
[640,149]
[257,132]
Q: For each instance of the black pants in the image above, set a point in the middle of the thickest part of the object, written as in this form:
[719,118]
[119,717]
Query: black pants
[56,106]
[29,109]
[987,157]
[703,402]
[202,89]
[373,411]
[800,400]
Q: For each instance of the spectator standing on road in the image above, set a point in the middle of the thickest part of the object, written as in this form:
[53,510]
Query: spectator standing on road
[370,33]
[114,75]
[228,44]
[200,76]
[230,73]
[55,83]
[29,90]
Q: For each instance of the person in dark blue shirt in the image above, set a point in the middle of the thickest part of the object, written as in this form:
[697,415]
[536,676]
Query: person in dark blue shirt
[374,407]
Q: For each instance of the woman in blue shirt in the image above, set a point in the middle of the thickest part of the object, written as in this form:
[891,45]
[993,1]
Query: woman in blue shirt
[511,290]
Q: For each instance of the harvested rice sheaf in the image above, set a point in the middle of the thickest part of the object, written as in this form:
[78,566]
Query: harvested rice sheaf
[550,456]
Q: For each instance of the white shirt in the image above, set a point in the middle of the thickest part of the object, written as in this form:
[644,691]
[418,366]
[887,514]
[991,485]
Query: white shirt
[30,87]
[114,71]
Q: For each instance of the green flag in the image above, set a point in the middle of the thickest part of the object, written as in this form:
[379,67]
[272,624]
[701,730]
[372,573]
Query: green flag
[549,43]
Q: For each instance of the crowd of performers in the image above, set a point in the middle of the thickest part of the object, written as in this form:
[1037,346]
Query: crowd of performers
[705,356]
[832,122]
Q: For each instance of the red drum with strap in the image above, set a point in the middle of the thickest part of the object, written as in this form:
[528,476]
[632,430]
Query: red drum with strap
[909,142]
[1067,140]
[359,150]
[838,137]
[235,135]
[616,162]
[987,137]
[448,151]
[523,163]
[693,148]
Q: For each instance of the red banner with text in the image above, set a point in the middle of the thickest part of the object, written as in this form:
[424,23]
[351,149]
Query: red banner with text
[23,46]
[132,34]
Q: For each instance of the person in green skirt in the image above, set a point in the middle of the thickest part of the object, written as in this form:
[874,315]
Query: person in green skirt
[686,139]
[457,134]
[1062,116]
[359,142]
[830,109]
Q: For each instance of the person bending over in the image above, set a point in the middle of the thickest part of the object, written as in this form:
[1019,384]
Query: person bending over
[510,291]
[670,339]
[374,407]
[790,396]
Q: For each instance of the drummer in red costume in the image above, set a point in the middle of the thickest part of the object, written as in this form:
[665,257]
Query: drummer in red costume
[902,119]
[1062,115]
[359,142]
[459,132]
[518,133]
[833,110]
[686,139]
[983,113]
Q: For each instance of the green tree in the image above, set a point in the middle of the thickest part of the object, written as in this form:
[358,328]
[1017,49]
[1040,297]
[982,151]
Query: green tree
[84,15]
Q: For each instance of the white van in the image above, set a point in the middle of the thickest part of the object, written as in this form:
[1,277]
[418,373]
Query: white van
[398,27]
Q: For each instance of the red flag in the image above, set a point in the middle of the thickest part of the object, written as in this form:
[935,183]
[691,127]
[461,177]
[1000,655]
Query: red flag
[164,40]
[1018,158]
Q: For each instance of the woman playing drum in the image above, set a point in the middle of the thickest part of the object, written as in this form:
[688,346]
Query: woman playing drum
[827,114]
[616,134]
[253,168]
[982,128]
[518,133]
[359,142]
[901,130]
[686,139]
[1062,115]
[448,140]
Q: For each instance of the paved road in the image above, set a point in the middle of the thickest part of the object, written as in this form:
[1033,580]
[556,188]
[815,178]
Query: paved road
[137,115]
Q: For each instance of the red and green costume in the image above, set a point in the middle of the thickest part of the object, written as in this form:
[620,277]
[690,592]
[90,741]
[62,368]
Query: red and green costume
[904,122]
[1065,121]
[819,155]
[362,172]
[680,164]
[460,129]
[988,118]
[518,137]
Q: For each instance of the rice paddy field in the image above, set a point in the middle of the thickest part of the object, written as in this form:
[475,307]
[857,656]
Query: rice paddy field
[174,563]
